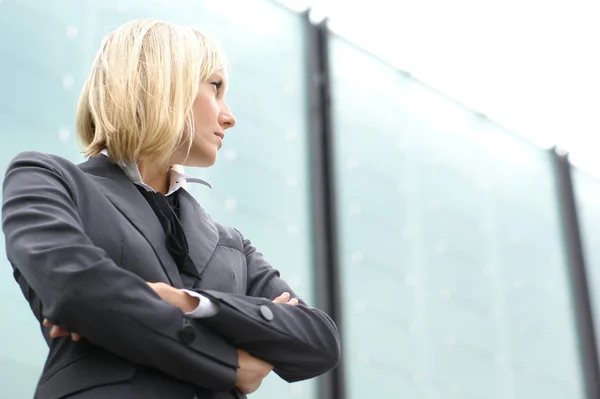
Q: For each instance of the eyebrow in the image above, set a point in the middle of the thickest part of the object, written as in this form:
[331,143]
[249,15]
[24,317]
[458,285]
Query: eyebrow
[217,79]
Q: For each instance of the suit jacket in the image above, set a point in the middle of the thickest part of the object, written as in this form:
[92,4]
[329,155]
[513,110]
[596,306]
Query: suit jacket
[83,242]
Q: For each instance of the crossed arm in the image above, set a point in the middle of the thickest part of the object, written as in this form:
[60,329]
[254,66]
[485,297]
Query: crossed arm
[251,370]
[85,292]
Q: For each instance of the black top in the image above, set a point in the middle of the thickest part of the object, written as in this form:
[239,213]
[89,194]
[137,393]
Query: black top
[166,209]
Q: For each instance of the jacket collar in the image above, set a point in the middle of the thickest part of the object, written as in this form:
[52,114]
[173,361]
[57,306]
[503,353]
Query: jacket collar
[200,230]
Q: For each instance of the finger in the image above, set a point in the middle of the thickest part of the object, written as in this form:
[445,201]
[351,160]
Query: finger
[293,302]
[54,331]
[57,331]
[75,337]
[61,331]
[46,323]
[283,298]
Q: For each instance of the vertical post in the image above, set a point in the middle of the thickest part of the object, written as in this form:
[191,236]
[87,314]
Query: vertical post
[323,192]
[579,281]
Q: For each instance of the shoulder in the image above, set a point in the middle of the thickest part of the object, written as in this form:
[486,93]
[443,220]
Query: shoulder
[35,159]
[43,171]
[231,237]
[38,172]
[228,232]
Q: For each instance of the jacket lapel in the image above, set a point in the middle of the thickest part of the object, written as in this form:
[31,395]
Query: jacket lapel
[123,194]
[201,232]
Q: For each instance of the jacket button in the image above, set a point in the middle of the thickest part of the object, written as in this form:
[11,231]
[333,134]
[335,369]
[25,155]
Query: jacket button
[266,313]
[187,334]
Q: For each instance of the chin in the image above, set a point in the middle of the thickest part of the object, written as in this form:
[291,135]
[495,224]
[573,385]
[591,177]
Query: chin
[210,162]
[204,161]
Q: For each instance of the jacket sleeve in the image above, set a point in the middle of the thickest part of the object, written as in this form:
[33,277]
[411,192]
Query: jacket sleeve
[83,290]
[301,342]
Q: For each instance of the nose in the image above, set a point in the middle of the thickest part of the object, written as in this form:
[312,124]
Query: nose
[226,119]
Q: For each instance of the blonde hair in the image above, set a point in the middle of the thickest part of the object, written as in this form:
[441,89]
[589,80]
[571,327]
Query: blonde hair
[137,99]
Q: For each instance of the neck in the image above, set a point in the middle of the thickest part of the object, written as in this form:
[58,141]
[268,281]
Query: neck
[155,176]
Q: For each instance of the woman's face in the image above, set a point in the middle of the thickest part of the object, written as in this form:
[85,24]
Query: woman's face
[212,117]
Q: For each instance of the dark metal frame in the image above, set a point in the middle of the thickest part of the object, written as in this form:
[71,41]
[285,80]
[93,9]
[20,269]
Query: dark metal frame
[579,280]
[327,275]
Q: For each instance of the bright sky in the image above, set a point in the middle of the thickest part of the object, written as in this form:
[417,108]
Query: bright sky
[533,66]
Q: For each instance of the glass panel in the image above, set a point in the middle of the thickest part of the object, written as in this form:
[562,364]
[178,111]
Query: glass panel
[587,197]
[263,193]
[453,268]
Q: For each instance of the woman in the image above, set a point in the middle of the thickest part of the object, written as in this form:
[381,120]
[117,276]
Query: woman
[140,293]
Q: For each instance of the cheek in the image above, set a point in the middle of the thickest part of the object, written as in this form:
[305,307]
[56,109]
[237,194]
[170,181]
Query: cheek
[205,104]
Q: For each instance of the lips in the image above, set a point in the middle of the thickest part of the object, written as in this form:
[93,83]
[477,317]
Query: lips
[221,135]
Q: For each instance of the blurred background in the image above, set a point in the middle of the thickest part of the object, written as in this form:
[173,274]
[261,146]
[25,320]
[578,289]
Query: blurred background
[397,162]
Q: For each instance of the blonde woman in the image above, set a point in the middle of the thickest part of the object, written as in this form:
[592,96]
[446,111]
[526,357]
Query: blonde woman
[140,293]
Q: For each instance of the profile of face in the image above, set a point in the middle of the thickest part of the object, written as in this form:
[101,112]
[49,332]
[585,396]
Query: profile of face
[212,117]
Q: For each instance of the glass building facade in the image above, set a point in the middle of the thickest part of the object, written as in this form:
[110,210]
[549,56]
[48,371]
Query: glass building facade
[453,268]
[451,233]
[587,196]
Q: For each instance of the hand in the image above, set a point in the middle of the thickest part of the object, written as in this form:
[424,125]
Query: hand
[175,297]
[58,331]
[285,298]
[251,372]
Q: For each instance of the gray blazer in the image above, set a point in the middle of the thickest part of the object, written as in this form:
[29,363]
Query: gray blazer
[83,242]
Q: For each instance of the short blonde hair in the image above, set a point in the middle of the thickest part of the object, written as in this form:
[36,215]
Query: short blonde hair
[137,99]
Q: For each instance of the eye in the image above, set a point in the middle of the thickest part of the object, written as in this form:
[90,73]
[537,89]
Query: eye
[217,85]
